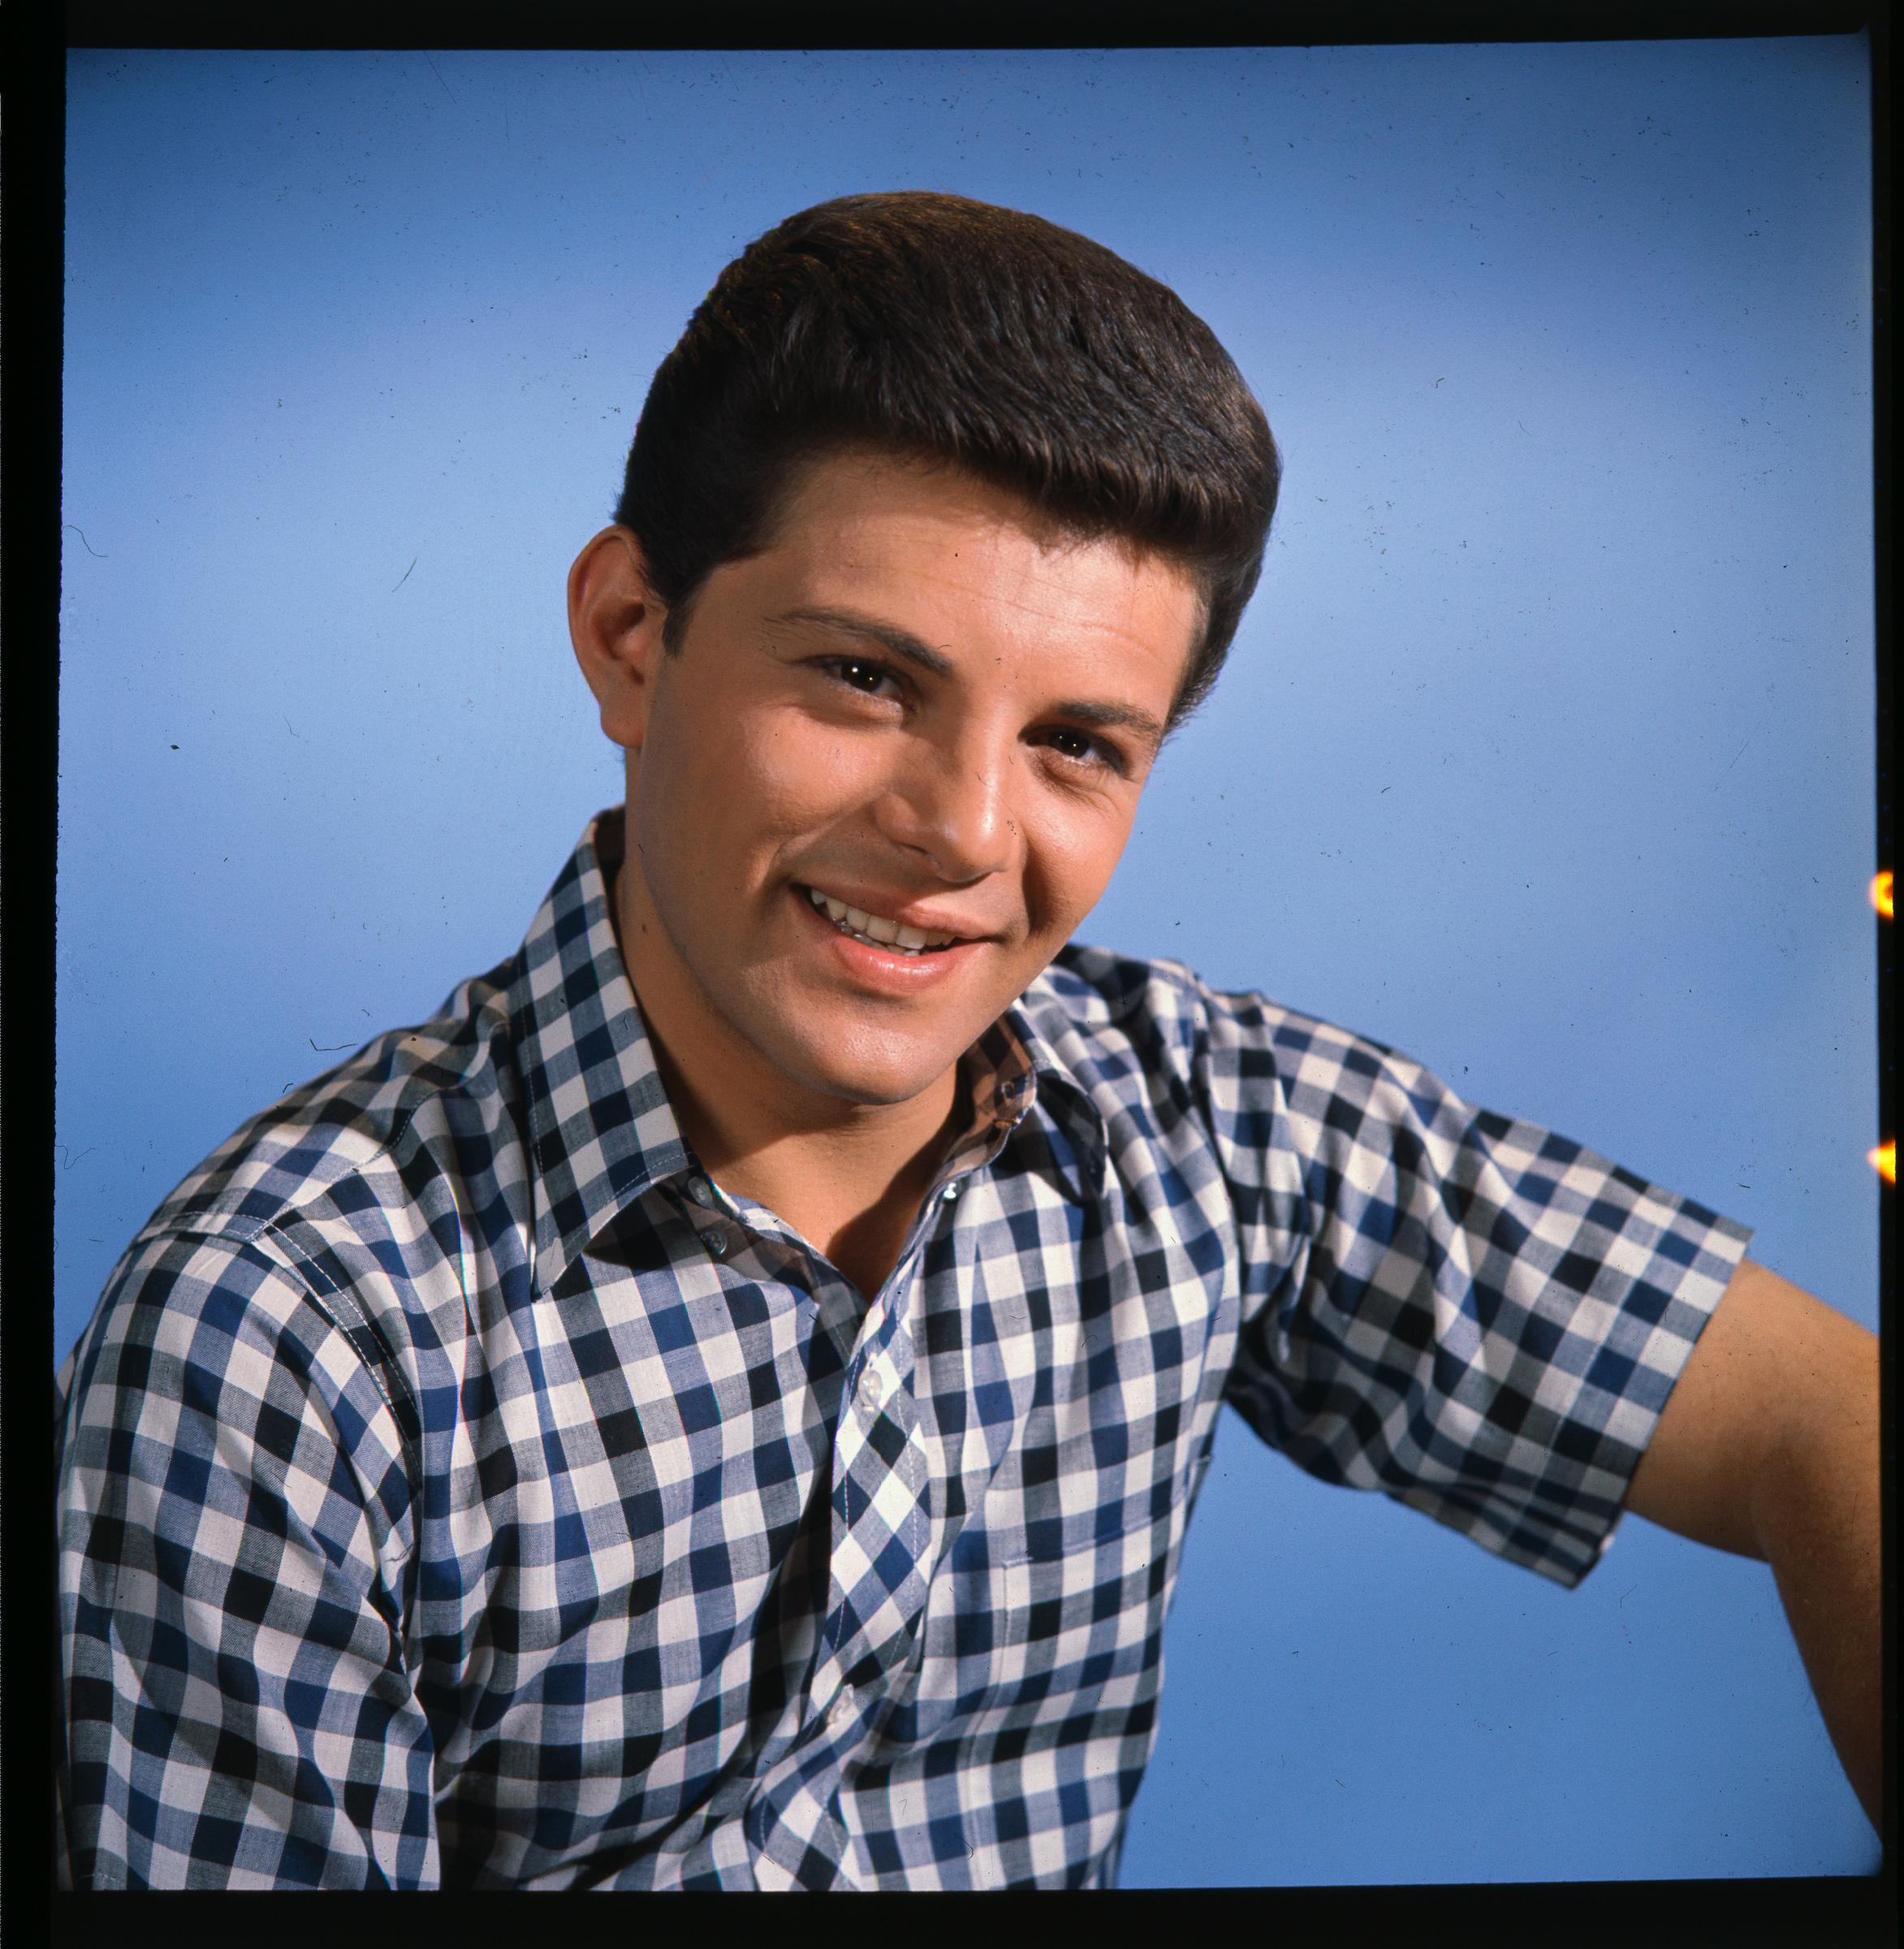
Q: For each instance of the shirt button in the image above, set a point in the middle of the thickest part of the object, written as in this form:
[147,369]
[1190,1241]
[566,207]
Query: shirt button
[840,1711]
[716,1243]
[951,1192]
[700,1190]
[873,1386]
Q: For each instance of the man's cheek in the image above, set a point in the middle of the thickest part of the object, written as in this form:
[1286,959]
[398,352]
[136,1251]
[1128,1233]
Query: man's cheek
[1063,881]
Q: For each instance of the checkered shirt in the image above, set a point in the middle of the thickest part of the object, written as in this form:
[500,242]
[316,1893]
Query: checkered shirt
[456,1489]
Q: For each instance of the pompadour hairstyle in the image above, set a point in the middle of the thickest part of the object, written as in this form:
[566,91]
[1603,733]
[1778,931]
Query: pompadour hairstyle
[943,330]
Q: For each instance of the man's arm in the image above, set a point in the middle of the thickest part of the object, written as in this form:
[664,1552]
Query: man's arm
[238,1710]
[1769,1447]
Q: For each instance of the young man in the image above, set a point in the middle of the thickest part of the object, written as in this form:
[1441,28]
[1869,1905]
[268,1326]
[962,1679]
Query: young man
[720,1405]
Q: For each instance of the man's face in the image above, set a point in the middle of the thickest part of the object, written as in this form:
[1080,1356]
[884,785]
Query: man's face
[919,708]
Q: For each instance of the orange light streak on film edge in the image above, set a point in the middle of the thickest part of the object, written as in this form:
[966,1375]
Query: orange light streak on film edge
[1884,1159]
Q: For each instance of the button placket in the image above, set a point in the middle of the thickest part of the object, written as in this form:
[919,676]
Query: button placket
[879,1498]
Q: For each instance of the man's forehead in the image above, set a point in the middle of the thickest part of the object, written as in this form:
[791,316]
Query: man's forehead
[816,487]
[847,516]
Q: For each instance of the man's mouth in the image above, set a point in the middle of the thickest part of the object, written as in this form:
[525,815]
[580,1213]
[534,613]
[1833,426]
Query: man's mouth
[876,931]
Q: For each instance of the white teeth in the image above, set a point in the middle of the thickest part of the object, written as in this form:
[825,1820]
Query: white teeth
[870,926]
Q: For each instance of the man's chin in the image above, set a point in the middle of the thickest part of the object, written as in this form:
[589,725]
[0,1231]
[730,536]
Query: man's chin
[878,1090]
[871,1079]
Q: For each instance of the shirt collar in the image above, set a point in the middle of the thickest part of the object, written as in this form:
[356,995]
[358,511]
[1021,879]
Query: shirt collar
[1050,1084]
[602,1131]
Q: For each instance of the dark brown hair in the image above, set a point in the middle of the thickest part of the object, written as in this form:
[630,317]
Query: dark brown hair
[941,328]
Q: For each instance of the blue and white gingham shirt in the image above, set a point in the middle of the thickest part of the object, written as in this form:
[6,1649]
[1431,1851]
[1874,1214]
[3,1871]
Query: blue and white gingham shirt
[456,1489]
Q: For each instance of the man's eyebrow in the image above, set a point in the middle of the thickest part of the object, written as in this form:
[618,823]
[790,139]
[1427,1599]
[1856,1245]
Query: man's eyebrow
[1114,717]
[902,642]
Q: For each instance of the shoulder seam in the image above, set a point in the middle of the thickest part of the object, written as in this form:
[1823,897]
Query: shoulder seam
[367,1339]
[332,1304]
[216,1219]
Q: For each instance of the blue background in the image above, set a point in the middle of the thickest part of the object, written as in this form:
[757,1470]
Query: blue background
[1544,753]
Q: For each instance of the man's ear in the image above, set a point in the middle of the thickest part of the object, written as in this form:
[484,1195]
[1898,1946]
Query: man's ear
[615,622]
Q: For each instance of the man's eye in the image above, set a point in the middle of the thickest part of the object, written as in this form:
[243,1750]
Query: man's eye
[858,674]
[1079,746]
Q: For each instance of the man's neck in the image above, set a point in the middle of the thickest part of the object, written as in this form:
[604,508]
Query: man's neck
[853,1188]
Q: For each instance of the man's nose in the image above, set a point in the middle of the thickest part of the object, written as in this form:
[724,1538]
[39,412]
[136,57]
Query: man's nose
[955,806]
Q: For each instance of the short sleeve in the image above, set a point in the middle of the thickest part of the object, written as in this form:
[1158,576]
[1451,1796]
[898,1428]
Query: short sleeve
[1477,1316]
[237,1708]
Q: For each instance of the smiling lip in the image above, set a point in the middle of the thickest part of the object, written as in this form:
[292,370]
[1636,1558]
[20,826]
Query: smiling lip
[891,970]
[900,913]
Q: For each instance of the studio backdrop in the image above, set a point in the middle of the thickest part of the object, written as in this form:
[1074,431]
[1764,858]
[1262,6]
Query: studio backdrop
[1544,755]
